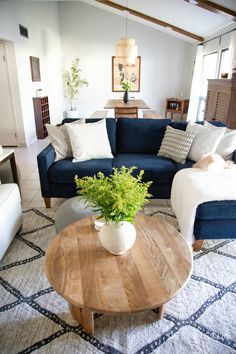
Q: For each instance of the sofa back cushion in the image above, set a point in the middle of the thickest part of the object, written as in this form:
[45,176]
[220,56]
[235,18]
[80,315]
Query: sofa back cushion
[178,124]
[182,125]
[111,129]
[140,136]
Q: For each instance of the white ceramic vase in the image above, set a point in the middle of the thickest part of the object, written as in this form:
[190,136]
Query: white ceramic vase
[117,238]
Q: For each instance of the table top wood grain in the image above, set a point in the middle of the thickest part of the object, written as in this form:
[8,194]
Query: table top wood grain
[145,277]
[120,103]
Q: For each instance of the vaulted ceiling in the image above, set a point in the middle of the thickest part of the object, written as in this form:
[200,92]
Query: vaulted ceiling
[191,20]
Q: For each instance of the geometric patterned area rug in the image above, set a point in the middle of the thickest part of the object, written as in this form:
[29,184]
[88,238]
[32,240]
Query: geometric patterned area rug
[34,318]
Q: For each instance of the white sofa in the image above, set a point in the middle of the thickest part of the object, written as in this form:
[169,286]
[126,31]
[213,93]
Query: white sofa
[10,214]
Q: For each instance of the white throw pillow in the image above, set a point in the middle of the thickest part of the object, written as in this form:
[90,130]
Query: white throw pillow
[206,140]
[60,140]
[227,144]
[89,141]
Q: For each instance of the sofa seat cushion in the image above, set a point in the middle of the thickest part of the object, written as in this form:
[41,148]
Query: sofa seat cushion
[64,171]
[140,136]
[217,210]
[156,168]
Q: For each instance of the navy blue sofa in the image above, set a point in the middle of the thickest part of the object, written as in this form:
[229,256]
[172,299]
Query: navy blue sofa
[135,142]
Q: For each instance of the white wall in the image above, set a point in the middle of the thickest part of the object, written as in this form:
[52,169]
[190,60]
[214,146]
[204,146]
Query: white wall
[91,34]
[41,19]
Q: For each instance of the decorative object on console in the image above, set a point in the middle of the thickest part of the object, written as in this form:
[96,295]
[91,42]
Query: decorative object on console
[126,86]
[176,144]
[39,92]
[126,49]
[72,84]
[89,141]
[125,72]
[118,198]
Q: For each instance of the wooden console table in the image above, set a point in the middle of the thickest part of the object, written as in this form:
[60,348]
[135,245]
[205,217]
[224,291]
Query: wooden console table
[8,154]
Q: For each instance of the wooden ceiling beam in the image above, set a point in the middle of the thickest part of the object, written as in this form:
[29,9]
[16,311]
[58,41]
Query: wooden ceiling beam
[151,19]
[215,8]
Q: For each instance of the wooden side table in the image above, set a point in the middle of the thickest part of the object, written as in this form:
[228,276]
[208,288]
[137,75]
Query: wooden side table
[8,154]
[175,105]
[93,280]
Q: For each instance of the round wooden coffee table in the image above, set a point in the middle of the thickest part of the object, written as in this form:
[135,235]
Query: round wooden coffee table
[93,280]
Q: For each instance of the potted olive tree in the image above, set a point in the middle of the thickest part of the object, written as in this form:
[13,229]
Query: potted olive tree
[72,83]
[117,198]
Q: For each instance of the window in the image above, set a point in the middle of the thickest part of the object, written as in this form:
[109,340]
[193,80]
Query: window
[209,69]
[224,64]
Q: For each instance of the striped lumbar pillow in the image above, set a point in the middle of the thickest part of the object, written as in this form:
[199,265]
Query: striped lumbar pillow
[176,144]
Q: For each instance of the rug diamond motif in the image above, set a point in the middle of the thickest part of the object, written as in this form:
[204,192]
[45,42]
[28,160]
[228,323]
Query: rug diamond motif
[34,318]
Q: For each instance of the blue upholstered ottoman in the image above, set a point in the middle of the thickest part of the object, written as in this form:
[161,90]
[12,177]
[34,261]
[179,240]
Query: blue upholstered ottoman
[215,220]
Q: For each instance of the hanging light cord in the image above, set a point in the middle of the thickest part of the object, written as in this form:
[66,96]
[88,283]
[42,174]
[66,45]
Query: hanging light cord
[126,20]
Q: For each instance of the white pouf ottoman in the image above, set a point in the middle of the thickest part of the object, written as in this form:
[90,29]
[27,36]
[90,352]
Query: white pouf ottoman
[10,214]
[70,211]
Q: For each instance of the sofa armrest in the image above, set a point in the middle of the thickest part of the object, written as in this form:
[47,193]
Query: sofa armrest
[234,156]
[45,160]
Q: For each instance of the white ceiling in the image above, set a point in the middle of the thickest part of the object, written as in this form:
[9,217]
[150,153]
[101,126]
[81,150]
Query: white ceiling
[178,13]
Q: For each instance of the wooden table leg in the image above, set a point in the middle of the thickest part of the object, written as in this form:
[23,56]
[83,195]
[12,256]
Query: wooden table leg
[197,246]
[14,170]
[161,311]
[84,317]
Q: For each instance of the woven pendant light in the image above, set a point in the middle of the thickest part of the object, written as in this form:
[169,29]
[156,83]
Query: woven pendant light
[126,49]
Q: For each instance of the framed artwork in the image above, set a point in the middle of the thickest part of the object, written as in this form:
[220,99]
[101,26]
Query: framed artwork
[35,69]
[123,72]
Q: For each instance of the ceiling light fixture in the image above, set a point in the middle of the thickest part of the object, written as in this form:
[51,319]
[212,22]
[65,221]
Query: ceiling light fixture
[126,49]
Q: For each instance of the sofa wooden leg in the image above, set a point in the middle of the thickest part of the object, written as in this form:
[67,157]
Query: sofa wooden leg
[197,246]
[47,202]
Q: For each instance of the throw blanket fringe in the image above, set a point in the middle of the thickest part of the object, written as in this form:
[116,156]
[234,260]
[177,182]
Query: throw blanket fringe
[193,186]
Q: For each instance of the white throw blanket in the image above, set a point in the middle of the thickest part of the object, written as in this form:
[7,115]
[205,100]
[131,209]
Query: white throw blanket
[193,186]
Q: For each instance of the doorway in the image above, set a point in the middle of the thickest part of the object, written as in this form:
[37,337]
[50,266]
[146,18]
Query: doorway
[8,136]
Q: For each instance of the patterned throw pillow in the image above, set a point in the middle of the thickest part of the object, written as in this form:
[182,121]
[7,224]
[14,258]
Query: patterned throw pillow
[176,144]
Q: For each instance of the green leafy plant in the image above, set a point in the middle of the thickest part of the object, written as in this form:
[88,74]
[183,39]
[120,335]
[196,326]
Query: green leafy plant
[117,197]
[73,82]
[127,85]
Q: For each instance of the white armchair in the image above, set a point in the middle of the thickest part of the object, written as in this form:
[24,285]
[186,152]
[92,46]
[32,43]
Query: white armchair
[10,214]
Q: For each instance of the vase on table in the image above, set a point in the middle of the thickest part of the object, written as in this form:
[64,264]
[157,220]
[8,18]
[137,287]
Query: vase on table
[117,237]
[126,96]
